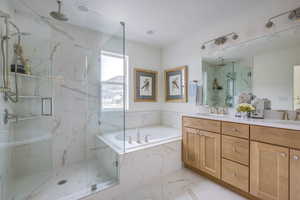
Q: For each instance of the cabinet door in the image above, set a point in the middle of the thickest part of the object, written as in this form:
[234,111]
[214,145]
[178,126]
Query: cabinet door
[191,147]
[269,171]
[210,155]
[294,175]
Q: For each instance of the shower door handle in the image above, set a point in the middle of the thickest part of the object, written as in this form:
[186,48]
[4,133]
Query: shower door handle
[47,106]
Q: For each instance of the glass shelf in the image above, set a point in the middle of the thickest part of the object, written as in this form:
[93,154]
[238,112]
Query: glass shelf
[28,76]
[29,97]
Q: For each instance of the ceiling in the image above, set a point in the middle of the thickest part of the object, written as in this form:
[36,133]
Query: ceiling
[171,20]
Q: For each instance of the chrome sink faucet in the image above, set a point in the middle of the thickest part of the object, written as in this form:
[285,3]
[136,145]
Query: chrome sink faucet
[218,110]
[285,114]
[212,110]
[297,115]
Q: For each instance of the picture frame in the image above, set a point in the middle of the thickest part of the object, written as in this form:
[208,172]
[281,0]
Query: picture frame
[176,80]
[145,85]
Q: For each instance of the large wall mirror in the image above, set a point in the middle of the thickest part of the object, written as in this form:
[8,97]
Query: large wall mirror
[267,66]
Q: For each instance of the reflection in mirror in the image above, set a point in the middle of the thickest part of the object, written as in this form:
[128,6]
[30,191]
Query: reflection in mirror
[225,80]
[267,66]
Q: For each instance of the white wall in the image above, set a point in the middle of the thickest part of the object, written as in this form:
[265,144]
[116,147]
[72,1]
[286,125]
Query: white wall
[277,86]
[146,57]
[188,50]
[140,56]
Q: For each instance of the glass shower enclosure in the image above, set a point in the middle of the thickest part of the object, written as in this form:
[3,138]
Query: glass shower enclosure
[52,113]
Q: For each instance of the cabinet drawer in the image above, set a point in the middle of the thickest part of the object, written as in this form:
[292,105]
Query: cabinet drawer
[235,149]
[235,174]
[202,124]
[283,137]
[234,129]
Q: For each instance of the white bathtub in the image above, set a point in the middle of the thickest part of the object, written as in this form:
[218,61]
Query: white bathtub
[157,135]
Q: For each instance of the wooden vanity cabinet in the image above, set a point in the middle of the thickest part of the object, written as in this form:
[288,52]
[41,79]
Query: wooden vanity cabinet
[294,174]
[256,161]
[269,171]
[210,155]
[191,147]
[201,148]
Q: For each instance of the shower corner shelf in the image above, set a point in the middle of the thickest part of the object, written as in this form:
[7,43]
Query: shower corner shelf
[45,137]
[25,117]
[30,97]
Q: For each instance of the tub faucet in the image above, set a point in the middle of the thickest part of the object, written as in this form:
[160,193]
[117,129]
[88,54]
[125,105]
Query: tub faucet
[138,136]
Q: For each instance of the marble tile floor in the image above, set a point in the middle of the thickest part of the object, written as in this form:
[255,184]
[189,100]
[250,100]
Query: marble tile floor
[180,185]
[44,186]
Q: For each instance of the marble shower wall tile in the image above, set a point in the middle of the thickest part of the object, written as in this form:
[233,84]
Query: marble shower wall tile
[68,57]
[171,118]
[113,121]
[142,119]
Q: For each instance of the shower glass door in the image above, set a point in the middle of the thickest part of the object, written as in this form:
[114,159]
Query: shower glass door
[106,108]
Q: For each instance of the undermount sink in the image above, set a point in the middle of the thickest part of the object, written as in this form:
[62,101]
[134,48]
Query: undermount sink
[283,122]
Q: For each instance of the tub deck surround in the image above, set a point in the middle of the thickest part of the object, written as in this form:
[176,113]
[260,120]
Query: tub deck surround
[140,167]
[258,159]
[157,135]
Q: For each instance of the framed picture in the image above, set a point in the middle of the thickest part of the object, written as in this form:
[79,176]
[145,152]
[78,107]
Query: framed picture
[176,84]
[145,84]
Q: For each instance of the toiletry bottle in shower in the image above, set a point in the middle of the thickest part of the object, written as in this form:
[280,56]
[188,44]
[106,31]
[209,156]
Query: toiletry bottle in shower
[27,67]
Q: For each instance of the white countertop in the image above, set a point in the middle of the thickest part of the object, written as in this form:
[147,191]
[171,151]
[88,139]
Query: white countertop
[285,124]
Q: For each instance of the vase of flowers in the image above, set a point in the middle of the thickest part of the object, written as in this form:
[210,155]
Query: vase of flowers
[244,109]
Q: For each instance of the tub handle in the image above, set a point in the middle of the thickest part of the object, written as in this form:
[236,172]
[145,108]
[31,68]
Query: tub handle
[147,138]
[129,139]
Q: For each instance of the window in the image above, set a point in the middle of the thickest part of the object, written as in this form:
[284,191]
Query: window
[112,81]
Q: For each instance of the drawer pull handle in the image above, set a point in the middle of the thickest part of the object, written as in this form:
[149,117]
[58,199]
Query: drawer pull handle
[283,155]
[296,157]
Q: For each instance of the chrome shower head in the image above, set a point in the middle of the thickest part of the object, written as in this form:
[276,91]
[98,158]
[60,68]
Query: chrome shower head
[220,61]
[58,15]
[295,14]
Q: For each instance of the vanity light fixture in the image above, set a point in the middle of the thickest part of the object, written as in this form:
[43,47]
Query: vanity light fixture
[292,15]
[220,40]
